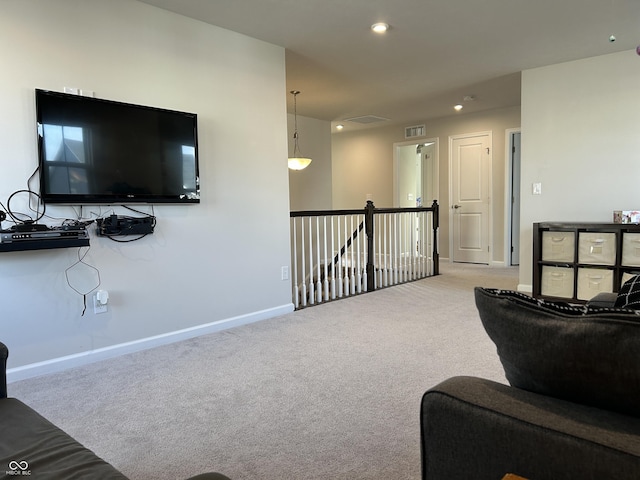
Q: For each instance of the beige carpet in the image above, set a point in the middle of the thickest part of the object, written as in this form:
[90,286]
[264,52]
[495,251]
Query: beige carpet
[329,392]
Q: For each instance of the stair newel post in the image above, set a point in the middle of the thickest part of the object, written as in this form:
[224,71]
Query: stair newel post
[369,211]
[436,225]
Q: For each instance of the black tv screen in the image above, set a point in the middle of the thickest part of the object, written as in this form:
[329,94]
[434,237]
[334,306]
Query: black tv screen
[94,151]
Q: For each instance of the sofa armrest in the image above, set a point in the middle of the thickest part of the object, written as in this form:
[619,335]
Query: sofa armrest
[604,299]
[4,354]
[476,428]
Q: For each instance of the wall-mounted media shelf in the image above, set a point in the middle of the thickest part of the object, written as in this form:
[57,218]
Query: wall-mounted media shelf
[43,244]
[40,237]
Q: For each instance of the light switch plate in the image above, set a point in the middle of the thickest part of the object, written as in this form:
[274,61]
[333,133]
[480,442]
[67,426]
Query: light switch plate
[537,189]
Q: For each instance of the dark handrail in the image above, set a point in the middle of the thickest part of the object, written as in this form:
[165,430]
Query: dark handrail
[358,211]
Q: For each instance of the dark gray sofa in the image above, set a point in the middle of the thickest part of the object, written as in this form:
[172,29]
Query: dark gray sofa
[30,445]
[571,409]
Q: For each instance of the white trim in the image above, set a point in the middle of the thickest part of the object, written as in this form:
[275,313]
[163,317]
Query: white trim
[85,358]
[525,288]
[508,193]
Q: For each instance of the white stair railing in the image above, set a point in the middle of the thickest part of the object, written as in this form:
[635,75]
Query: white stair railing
[341,253]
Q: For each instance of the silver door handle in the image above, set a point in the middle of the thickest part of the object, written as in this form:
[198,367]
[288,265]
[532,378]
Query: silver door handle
[457,206]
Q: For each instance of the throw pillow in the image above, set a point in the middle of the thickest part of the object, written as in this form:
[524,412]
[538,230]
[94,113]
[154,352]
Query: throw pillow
[583,354]
[629,294]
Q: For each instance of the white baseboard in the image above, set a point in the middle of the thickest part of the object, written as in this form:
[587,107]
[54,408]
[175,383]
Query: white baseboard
[85,358]
[525,288]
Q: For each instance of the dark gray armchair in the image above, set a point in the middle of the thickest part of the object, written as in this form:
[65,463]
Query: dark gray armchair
[571,409]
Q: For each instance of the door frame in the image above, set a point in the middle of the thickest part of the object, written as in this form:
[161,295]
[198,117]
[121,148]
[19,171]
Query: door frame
[508,181]
[452,138]
[435,169]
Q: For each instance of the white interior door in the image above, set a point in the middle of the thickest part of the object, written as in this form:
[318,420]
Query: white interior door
[470,158]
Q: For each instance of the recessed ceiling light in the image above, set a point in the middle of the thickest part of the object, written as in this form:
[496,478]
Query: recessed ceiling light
[457,108]
[380,27]
[339,127]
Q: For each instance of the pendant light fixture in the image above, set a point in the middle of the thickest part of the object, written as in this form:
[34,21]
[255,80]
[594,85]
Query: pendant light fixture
[297,161]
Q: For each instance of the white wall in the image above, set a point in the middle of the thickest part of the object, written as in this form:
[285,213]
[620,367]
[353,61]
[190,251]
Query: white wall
[310,189]
[362,166]
[580,140]
[213,262]
[362,163]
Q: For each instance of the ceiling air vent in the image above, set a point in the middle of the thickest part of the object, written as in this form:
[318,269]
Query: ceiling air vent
[415,131]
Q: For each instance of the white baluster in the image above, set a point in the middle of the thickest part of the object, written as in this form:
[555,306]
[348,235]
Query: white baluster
[402,240]
[385,277]
[396,248]
[312,289]
[425,244]
[353,263]
[432,240]
[346,257]
[326,266]
[414,246]
[365,258]
[303,292]
[340,263]
[294,277]
[420,247]
[404,231]
[318,266]
[408,247]
[358,257]
[333,265]
[378,250]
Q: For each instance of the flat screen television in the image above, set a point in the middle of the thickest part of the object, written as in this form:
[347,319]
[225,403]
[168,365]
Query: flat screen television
[95,151]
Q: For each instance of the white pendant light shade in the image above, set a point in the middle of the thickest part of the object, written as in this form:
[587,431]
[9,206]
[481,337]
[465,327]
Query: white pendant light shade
[297,161]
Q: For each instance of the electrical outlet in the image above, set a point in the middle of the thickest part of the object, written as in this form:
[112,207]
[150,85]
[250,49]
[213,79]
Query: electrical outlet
[97,306]
[284,273]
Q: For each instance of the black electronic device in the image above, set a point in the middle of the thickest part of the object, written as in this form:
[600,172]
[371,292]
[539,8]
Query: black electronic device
[115,225]
[47,234]
[95,151]
[29,227]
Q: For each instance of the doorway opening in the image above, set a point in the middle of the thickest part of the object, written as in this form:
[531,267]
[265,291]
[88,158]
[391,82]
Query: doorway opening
[415,173]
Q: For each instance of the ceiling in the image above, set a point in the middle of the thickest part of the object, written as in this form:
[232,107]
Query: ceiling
[435,53]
